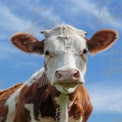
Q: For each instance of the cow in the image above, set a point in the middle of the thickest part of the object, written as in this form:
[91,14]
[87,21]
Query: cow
[55,93]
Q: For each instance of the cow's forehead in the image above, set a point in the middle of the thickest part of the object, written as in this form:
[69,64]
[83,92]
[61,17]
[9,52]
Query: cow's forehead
[64,30]
[63,37]
[75,43]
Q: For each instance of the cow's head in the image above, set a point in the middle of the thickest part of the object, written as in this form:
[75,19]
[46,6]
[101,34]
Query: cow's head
[65,49]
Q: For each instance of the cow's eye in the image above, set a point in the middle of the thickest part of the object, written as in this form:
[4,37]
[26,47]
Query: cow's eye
[85,51]
[46,53]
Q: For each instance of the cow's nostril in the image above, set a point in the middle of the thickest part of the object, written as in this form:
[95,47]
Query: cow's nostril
[67,74]
[76,75]
[58,75]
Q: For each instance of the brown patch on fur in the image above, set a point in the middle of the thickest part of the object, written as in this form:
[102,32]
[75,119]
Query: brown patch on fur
[27,43]
[7,93]
[4,95]
[41,97]
[102,40]
[81,104]
[21,114]
[43,100]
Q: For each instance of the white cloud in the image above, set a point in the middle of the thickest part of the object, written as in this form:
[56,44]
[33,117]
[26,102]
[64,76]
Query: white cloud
[99,15]
[9,21]
[42,18]
[39,18]
[106,97]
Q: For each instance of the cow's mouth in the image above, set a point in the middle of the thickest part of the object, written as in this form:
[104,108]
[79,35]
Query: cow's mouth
[67,84]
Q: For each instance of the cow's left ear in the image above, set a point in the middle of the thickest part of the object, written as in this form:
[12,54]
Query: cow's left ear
[27,43]
[102,40]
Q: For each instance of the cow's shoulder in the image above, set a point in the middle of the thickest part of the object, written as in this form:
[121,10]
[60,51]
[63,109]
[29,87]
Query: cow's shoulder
[36,76]
[35,99]
[15,99]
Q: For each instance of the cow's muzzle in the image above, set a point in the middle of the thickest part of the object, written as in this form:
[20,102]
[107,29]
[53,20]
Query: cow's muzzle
[67,77]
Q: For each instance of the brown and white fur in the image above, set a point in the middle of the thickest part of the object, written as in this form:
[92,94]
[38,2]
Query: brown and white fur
[55,93]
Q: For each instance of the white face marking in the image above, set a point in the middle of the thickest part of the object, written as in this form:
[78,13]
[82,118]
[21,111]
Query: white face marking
[65,52]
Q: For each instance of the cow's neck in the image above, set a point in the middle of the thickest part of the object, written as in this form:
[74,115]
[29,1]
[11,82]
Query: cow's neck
[49,102]
[63,102]
[60,102]
[61,99]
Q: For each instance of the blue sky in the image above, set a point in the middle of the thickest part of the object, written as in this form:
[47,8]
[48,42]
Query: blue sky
[104,72]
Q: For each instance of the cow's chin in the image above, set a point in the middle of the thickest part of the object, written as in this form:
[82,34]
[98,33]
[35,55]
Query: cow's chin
[66,87]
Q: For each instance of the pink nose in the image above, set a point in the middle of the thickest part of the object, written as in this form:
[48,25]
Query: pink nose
[67,74]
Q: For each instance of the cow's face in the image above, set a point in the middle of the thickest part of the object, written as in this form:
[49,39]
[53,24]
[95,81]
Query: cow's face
[65,50]
[65,60]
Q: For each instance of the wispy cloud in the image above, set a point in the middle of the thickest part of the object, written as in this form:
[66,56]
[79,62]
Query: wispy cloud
[34,19]
[9,21]
[12,21]
[42,18]
[106,96]
[97,15]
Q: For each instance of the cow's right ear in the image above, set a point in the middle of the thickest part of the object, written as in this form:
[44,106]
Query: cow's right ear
[27,43]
